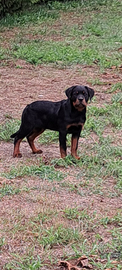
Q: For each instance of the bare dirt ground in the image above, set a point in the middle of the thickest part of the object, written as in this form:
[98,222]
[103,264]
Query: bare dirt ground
[18,87]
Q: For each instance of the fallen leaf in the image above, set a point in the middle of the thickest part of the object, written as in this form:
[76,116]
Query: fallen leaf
[114,262]
[83,262]
[120,49]
[113,67]
[95,61]
[120,67]
[68,265]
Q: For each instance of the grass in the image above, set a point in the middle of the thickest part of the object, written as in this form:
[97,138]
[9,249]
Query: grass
[66,208]
[8,190]
[74,213]
[29,263]
[59,235]
[101,162]
[49,137]
[8,128]
[45,172]
[101,34]
[116,220]
[66,53]
[116,87]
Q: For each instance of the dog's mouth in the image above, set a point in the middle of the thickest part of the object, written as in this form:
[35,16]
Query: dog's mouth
[80,104]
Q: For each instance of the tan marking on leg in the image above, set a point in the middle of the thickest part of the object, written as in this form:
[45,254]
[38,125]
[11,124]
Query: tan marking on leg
[16,152]
[31,142]
[63,152]
[74,144]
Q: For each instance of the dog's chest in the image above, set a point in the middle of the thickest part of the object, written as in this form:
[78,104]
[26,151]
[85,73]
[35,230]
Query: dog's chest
[75,118]
[75,122]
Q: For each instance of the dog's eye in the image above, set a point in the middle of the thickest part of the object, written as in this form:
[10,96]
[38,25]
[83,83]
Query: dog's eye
[83,92]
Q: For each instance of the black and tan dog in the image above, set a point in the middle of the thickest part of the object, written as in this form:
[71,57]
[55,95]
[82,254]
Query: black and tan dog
[65,116]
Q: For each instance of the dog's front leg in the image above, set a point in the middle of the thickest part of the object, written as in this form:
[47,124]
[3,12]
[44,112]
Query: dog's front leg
[62,143]
[74,144]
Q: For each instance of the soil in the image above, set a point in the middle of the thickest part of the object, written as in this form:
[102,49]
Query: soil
[20,84]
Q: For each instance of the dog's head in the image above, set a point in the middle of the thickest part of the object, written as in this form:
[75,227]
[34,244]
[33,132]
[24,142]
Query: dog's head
[79,96]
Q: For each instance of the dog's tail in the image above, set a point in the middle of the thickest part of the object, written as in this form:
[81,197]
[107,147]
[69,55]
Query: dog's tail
[14,135]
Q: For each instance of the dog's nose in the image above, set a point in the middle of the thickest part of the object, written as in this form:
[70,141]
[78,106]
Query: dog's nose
[80,97]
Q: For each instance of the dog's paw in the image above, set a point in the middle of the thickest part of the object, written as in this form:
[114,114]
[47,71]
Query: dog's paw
[39,151]
[18,155]
[76,157]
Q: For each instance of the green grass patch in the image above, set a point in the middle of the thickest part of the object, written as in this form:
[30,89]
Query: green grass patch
[38,52]
[33,15]
[48,137]
[100,118]
[116,245]
[96,40]
[8,190]
[115,220]
[116,87]
[101,161]
[8,128]
[85,220]
[22,263]
[45,172]
[63,53]
[117,98]
[68,161]
[59,235]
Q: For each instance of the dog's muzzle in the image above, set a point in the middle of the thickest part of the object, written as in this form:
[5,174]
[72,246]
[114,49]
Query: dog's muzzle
[80,103]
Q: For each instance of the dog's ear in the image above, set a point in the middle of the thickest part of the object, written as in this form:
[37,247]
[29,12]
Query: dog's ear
[90,92]
[68,91]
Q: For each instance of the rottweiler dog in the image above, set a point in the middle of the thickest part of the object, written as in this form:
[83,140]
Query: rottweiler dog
[65,116]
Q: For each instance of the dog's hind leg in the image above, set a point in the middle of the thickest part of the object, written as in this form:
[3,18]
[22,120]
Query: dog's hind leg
[31,139]
[16,152]
[19,136]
